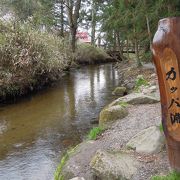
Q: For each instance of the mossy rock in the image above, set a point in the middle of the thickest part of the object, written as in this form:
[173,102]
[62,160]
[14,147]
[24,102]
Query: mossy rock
[110,114]
[119,91]
[110,166]
[135,99]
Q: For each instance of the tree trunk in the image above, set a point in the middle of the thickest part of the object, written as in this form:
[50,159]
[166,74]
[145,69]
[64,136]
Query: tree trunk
[99,41]
[93,23]
[149,31]
[73,16]
[62,19]
[119,46]
[73,38]
[127,48]
[136,48]
[114,41]
[137,52]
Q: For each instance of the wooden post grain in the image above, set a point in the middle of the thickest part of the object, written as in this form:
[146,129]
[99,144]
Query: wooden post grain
[166,56]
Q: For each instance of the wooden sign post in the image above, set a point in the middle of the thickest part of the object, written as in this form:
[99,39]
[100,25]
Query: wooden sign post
[166,56]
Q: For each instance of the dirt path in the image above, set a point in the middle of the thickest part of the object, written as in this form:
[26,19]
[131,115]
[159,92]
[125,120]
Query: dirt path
[115,139]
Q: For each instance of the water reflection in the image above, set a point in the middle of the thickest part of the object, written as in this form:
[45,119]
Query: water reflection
[35,131]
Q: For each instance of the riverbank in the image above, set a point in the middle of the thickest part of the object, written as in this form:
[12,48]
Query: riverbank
[31,60]
[39,128]
[113,155]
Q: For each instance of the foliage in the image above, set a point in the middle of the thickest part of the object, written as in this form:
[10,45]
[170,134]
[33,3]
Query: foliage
[58,173]
[29,58]
[116,21]
[88,54]
[146,56]
[140,81]
[123,104]
[161,127]
[136,21]
[172,176]
[94,133]
[41,11]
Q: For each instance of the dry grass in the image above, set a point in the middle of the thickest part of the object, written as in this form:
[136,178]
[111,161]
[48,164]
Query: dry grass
[29,59]
[88,54]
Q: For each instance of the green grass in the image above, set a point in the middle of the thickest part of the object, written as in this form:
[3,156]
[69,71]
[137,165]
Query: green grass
[161,127]
[140,81]
[94,133]
[171,176]
[123,104]
[58,173]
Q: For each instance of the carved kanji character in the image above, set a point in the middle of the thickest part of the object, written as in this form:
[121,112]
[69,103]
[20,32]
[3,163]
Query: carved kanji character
[174,102]
[173,89]
[171,74]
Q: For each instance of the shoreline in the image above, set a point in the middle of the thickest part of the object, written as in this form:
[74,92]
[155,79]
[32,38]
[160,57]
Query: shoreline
[114,140]
[30,90]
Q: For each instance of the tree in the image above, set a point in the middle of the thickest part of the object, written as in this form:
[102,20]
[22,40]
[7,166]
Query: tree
[59,16]
[73,12]
[93,21]
[39,10]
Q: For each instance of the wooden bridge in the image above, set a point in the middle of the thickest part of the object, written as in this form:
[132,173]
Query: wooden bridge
[115,54]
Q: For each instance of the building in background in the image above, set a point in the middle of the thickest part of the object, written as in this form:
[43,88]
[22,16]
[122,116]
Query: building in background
[83,37]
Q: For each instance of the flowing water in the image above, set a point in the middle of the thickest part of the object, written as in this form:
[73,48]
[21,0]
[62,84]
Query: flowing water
[37,130]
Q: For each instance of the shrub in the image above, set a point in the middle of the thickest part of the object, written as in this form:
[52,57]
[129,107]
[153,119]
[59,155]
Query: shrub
[29,58]
[140,81]
[88,54]
[94,133]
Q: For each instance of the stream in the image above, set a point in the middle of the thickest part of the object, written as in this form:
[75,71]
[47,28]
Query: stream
[37,130]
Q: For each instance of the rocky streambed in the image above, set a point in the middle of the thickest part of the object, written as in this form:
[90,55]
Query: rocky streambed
[132,146]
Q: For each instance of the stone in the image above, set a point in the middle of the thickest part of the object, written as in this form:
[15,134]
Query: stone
[113,166]
[153,83]
[148,141]
[130,85]
[153,75]
[136,98]
[3,126]
[126,81]
[149,90]
[140,76]
[78,161]
[119,91]
[77,178]
[139,98]
[153,88]
[110,114]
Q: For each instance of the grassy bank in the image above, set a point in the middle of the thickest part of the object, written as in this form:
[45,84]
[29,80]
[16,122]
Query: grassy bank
[87,54]
[58,173]
[92,135]
[171,176]
[30,59]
